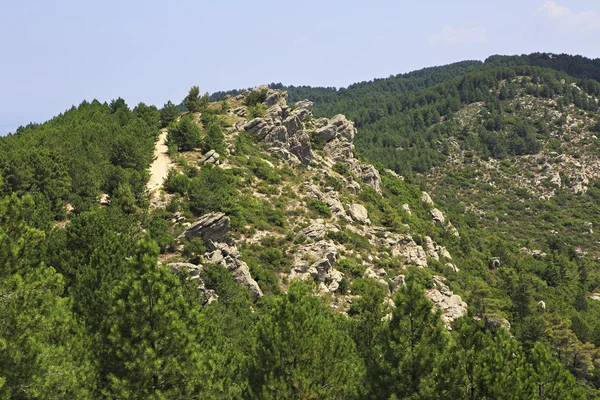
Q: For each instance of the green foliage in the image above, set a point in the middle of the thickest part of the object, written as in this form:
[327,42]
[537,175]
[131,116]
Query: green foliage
[192,102]
[176,182]
[341,168]
[193,250]
[185,134]
[412,344]
[214,139]
[159,231]
[168,114]
[256,96]
[212,190]
[302,352]
[319,206]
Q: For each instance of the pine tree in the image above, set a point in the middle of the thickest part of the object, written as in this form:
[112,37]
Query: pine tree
[168,114]
[412,343]
[192,102]
[301,353]
[214,139]
[152,334]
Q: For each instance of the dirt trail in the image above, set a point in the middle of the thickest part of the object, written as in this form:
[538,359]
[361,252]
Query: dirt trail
[160,166]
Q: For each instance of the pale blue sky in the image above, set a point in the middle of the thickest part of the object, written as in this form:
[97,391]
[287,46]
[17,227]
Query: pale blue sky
[58,53]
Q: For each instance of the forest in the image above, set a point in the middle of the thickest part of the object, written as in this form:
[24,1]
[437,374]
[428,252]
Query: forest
[89,310]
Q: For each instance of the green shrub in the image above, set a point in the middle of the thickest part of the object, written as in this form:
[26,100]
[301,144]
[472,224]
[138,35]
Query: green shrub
[341,168]
[319,207]
[176,182]
[185,134]
[193,250]
[256,96]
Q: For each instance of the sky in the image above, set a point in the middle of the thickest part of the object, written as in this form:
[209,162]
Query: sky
[55,54]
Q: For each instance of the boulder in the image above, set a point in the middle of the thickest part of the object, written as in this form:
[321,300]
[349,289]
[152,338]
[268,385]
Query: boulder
[315,231]
[412,253]
[304,103]
[396,282]
[495,263]
[437,216]
[191,269]
[211,228]
[406,208]
[359,213]
[444,299]
[426,198]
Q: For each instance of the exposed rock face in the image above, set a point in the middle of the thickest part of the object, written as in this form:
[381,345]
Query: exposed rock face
[437,216]
[316,260]
[287,134]
[411,251]
[304,103]
[211,157]
[495,263]
[444,299]
[283,130]
[426,198]
[229,257]
[406,208]
[211,228]
[359,214]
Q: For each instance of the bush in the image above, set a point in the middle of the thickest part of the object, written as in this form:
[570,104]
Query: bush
[176,182]
[341,169]
[319,207]
[185,134]
[159,231]
[193,250]
[256,96]
[212,190]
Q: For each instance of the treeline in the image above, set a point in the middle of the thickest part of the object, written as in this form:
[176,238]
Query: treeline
[90,149]
[122,328]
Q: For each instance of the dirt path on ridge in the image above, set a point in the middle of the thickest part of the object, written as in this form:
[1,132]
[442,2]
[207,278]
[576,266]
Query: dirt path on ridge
[160,167]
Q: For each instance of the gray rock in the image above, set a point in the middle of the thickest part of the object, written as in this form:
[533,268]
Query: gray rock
[211,228]
[304,103]
[359,214]
[425,198]
[406,208]
[407,248]
[437,216]
[495,263]
[396,282]
[444,299]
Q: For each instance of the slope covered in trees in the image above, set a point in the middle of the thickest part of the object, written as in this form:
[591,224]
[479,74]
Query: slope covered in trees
[91,309]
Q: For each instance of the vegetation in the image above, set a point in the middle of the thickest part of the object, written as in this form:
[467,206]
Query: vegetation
[88,311]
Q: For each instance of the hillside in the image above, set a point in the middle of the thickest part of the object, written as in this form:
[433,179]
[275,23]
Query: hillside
[430,235]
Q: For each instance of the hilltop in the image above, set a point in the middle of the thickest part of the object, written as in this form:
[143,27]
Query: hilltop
[428,235]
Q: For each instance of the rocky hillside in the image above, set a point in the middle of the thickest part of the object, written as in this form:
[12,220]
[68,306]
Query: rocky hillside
[331,225]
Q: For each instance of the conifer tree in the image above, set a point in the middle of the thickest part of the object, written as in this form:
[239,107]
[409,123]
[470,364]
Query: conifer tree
[301,352]
[412,344]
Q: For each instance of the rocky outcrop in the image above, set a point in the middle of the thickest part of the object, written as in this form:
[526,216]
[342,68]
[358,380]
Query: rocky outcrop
[211,157]
[437,216]
[284,130]
[286,133]
[230,258]
[329,197]
[444,299]
[316,261]
[359,213]
[426,198]
[211,228]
